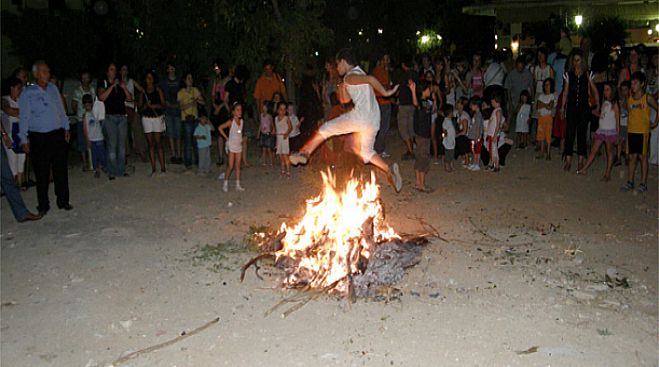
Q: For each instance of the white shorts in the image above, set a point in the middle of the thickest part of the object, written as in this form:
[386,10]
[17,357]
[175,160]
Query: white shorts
[346,124]
[16,161]
[153,124]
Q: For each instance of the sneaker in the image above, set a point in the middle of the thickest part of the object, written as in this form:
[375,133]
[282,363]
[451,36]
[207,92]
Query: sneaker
[221,176]
[437,162]
[629,186]
[225,187]
[239,188]
[385,155]
[475,168]
[97,174]
[298,158]
[398,180]
[642,188]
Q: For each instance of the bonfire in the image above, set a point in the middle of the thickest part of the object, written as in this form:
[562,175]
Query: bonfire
[341,245]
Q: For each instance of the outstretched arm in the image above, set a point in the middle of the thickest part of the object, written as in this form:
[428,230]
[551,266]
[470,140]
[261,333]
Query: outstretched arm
[368,79]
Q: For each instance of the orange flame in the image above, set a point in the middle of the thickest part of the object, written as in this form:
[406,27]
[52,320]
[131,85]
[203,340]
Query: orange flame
[337,230]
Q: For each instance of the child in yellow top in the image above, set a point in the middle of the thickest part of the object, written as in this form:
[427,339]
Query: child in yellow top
[638,130]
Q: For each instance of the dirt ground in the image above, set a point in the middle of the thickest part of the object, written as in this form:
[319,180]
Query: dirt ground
[517,280]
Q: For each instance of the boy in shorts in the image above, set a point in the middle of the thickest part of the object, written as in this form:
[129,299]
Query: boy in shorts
[638,130]
[363,119]
[448,141]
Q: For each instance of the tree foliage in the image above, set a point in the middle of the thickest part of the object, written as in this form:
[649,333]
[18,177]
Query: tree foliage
[606,33]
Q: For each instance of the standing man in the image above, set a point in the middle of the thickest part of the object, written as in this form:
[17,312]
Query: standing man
[381,73]
[406,108]
[519,79]
[269,83]
[43,119]
[170,87]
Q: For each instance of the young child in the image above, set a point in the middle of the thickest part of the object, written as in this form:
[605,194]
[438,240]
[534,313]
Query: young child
[638,130]
[422,131]
[233,145]
[493,129]
[266,137]
[294,137]
[462,144]
[202,135]
[522,121]
[624,117]
[93,131]
[448,132]
[283,127]
[609,125]
[475,133]
[545,106]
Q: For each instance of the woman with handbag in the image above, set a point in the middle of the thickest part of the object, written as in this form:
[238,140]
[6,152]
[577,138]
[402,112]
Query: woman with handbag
[151,104]
[188,98]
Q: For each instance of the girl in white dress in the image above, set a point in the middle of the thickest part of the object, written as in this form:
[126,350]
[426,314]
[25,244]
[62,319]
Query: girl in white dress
[283,127]
[522,120]
[234,144]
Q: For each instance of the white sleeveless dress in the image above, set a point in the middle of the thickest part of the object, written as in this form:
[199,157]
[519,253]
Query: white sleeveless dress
[281,127]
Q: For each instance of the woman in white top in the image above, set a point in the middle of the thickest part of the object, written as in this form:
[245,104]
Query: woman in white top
[607,133]
[234,144]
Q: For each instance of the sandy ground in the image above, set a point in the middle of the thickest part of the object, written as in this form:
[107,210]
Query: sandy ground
[522,265]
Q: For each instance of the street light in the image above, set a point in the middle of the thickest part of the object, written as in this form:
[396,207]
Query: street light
[379,30]
[656,28]
[578,19]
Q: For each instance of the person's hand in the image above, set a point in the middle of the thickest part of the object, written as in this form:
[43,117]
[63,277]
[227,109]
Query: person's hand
[6,140]
[412,85]
[67,135]
[285,136]
[392,91]
[26,148]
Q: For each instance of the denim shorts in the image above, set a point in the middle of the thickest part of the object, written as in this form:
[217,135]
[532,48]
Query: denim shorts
[173,126]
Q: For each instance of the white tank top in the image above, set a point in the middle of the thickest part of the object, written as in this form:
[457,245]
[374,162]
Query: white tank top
[235,134]
[607,117]
[363,97]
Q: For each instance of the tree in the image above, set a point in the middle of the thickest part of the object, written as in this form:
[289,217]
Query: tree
[606,33]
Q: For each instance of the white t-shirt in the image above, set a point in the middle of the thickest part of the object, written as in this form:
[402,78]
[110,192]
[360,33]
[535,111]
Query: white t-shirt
[78,93]
[362,95]
[494,74]
[295,122]
[546,99]
[607,117]
[449,136]
[94,127]
[624,116]
[491,124]
[131,88]
[464,116]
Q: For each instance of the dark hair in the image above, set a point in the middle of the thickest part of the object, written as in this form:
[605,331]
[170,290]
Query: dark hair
[153,74]
[526,94]
[638,75]
[241,72]
[87,98]
[626,83]
[347,55]
[170,63]
[423,85]
[543,51]
[282,103]
[520,60]
[497,95]
[218,62]
[551,85]
[448,109]
[267,62]
[614,94]
[12,82]
[235,105]
[83,72]
[475,101]
[463,100]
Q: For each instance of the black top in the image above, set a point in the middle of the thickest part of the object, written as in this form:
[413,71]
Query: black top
[577,97]
[423,119]
[405,94]
[114,104]
[236,92]
[153,98]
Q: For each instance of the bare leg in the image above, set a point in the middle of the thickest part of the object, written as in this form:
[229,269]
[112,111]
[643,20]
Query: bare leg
[644,169]
[244,152]
[152,155]
[609,161]
[227,172]
[172,146]
[220,149]
[237,163]
[632,167]
[161,153]
[593,152]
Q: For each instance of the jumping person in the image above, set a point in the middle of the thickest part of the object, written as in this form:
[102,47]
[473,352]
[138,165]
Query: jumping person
[364,118]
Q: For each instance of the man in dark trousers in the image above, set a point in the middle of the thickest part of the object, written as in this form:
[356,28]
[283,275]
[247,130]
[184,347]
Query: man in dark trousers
[43,119]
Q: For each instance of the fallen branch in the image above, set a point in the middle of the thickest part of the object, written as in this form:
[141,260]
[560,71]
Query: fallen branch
[153,348]
[254,262]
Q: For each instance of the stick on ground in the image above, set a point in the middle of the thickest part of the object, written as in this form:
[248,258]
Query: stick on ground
[153,348]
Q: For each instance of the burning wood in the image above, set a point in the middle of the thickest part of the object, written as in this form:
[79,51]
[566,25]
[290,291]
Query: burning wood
[342,245]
